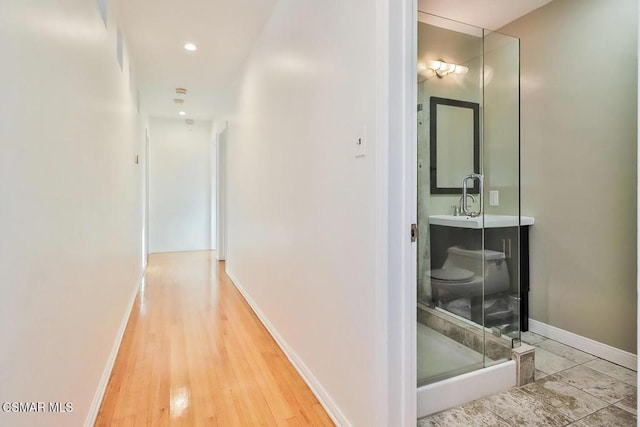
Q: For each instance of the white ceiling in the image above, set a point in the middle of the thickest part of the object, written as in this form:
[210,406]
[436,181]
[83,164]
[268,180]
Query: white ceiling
[223,30]
[489,14]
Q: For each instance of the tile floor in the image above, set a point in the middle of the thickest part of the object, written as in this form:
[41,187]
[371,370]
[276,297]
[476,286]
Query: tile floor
[572,388]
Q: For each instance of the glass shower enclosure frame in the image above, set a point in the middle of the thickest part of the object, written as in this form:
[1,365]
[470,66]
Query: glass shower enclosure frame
[468,264]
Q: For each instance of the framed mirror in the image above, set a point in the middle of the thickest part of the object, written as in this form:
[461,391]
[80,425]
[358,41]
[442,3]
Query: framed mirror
[455,144]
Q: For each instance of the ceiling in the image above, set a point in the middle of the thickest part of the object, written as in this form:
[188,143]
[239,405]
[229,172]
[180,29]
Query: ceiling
[489,14]
[224,32]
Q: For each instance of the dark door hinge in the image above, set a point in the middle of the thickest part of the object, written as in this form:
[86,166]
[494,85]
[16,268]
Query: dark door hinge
[414,232]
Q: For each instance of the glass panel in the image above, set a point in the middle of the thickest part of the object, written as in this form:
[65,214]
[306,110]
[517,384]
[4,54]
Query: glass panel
[450,259]
[468,198]
[501,153]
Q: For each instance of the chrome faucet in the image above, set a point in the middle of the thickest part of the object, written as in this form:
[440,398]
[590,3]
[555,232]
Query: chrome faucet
[461,204]
[463,199]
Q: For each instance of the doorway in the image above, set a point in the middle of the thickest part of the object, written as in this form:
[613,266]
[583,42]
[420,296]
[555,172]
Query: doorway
[221,195]
[468,208]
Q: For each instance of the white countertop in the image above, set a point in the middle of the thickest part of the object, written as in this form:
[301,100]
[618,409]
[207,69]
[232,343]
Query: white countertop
[490,221]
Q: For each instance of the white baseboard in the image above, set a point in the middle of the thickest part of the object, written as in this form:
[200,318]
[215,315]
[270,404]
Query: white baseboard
[321,394]
[604,351]
[464,388]
[106,374]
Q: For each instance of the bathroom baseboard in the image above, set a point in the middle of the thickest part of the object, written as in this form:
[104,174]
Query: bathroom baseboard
[321,394]
[604,351]
[106,374]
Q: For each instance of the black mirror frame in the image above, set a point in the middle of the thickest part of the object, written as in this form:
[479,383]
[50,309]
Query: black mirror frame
[433,103]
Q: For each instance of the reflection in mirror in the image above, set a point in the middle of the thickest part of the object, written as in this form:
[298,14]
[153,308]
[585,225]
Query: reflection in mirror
[455,144]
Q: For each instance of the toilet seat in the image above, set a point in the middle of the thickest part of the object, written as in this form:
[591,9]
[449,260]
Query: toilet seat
[469,273]
[447,290]
[451,275]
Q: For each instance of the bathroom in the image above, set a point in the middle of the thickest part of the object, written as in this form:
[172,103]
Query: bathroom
[524,145]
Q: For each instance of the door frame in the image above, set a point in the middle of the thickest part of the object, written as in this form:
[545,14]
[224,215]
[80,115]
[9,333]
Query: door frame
[213,193]
[146,198]
[401,206]
[221,193]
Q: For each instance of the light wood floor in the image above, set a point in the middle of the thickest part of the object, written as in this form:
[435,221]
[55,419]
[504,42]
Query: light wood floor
[195,354]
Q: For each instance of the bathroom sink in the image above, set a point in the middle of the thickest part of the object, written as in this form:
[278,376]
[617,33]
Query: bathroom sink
[490,221]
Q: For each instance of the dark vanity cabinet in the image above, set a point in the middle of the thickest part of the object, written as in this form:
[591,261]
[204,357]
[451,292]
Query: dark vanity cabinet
[499,239]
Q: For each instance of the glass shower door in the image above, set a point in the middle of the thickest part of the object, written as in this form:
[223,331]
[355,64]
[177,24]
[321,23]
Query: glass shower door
[451,336]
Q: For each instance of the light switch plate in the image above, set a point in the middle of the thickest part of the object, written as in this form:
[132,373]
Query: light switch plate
[494,198]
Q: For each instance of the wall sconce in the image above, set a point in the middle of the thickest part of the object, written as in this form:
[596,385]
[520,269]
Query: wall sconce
[441,68]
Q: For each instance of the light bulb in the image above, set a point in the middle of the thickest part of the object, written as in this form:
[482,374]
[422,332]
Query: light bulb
[461,69]
[435,65]
[443,68]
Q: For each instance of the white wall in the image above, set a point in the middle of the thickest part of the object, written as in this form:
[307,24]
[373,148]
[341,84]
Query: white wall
[179,186]
[71,211]
[302,209]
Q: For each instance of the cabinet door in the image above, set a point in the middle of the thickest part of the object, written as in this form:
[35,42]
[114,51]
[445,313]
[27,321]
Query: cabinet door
[506,240]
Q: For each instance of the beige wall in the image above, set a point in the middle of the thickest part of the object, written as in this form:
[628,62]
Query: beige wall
[579,110]
[500,123]
[455,47]
[499,112]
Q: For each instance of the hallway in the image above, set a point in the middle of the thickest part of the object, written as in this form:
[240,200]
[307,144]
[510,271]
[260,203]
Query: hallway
[194,353]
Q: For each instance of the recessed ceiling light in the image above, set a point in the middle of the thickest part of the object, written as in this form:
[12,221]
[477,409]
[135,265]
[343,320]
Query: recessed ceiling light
[190,47]
[182,113]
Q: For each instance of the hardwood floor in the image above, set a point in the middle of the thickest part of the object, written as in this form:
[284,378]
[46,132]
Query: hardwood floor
[195,354]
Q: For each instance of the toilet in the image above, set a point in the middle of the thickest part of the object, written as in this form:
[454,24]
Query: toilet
[462,275]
